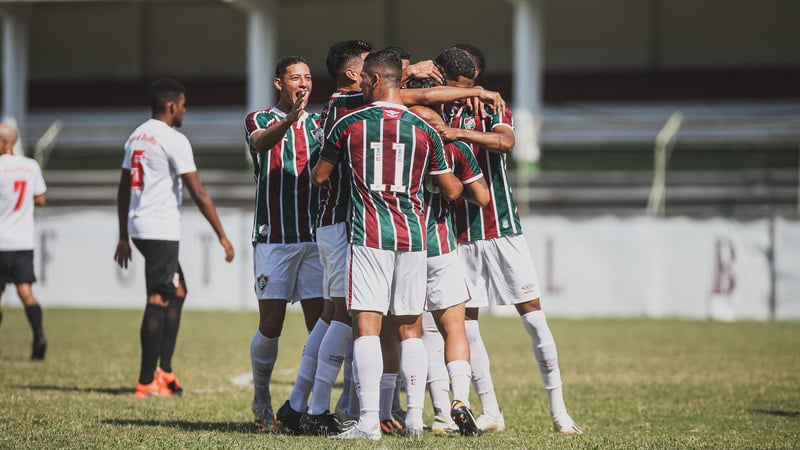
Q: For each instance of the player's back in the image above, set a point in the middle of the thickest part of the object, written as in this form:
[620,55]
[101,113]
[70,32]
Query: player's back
[20,181]
[390,152]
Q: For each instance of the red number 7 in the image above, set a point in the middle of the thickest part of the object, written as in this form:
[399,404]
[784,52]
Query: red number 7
[20,186]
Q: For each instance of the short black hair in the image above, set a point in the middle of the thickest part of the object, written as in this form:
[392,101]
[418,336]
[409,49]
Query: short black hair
[340,53]
[387,63]
[421,83]
[286,61]
[455,63]
[477,57]
[163,91]
[401,52]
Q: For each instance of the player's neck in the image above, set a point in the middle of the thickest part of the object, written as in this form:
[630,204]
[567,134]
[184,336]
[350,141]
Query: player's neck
[164,118]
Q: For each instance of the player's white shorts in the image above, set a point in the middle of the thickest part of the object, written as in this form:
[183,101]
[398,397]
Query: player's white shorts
[386,281]
[332,244]
[447,285]
[287,271]
[501,269]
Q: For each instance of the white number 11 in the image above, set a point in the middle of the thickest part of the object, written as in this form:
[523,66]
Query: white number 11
[399,158]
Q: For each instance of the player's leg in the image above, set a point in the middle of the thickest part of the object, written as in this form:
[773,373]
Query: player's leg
[408,301]
[160,265]
[438,382]
[33,311]
[369,293]
[478,281]
[390,349]
[172,322]
[521,288]
[275,267]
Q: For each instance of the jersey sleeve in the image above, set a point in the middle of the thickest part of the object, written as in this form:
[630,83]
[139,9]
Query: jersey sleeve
[258,120]
[126,160]
[179,153]
[465,166]
[439,163]
[505,120]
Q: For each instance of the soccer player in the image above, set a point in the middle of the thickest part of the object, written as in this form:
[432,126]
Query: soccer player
[285,255]
[21,188]
[158,162]
[390,151]
[499,264]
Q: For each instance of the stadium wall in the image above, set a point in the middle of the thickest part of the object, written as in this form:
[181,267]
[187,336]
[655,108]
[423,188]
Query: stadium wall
[602,267]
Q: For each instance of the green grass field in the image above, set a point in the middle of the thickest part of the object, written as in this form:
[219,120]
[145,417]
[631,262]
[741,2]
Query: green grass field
[629,383]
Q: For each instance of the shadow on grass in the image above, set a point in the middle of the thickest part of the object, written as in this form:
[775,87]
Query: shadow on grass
[777,412]
[227,427]
[84,390]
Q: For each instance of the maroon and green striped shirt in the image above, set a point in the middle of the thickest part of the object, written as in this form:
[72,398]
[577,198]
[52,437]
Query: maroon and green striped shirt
[500,216]
[334,199]
[441,234]
[286,200]
[390,150]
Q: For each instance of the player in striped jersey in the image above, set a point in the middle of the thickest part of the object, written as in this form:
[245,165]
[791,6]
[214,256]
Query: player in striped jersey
[390,150]
[283,238]
[499,264]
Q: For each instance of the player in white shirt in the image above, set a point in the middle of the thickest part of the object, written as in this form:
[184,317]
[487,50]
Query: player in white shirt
[21,188]
[158,161]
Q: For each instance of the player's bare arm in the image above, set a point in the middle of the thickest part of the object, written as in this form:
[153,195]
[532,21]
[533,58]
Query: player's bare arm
[263,140]
[322,172]
[422,69]
[40,200]
[450,187]
[206,206]
[123,252]
[477,192]
[500,140]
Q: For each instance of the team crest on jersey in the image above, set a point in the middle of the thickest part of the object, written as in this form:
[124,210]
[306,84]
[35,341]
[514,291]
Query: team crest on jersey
[261,284]
[392,114]
[319,135]
[469,123]
[263,230]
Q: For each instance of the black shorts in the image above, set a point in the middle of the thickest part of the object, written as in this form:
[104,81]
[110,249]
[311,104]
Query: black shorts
[16,267]
[162,271]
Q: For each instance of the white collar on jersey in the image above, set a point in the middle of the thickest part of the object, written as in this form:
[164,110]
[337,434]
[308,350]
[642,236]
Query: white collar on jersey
[389,105]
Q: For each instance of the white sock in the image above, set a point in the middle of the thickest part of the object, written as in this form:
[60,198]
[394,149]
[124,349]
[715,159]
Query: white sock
[352,395]
[367,367]
[263,354]
[343,405]
[332,351]
[544,350]
[438,378]
[460,376]
[414,369]
[388,383]
[479,363]
[304,382]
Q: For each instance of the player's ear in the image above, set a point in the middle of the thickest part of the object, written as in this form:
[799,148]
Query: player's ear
[278,84]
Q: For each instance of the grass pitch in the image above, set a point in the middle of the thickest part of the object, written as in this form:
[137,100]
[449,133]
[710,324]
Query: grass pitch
[629,383]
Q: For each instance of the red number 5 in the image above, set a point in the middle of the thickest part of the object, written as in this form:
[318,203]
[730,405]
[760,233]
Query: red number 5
[137,171]
[19,187]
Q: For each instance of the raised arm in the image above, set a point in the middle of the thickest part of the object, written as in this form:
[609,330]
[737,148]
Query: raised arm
[206,206]
[422,69]
[263,140]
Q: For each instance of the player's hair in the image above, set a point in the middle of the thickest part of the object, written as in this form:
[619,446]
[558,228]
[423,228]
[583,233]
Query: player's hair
[455,63]
[341,53]
[477,57]
[401,52]
[387,63]
[285,62]
[163,91]
[421,83]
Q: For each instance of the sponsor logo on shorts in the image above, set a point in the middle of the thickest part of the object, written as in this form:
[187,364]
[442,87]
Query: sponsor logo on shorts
[505,223]
[261,283]
[528,288]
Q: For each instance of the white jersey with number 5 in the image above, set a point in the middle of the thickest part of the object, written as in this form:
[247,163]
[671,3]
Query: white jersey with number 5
[157,155]
[20,181]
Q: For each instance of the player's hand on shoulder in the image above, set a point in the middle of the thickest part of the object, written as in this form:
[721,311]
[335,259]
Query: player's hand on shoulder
[448,134]
[226,244]
[425,69]
[494,100]
[123,253]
